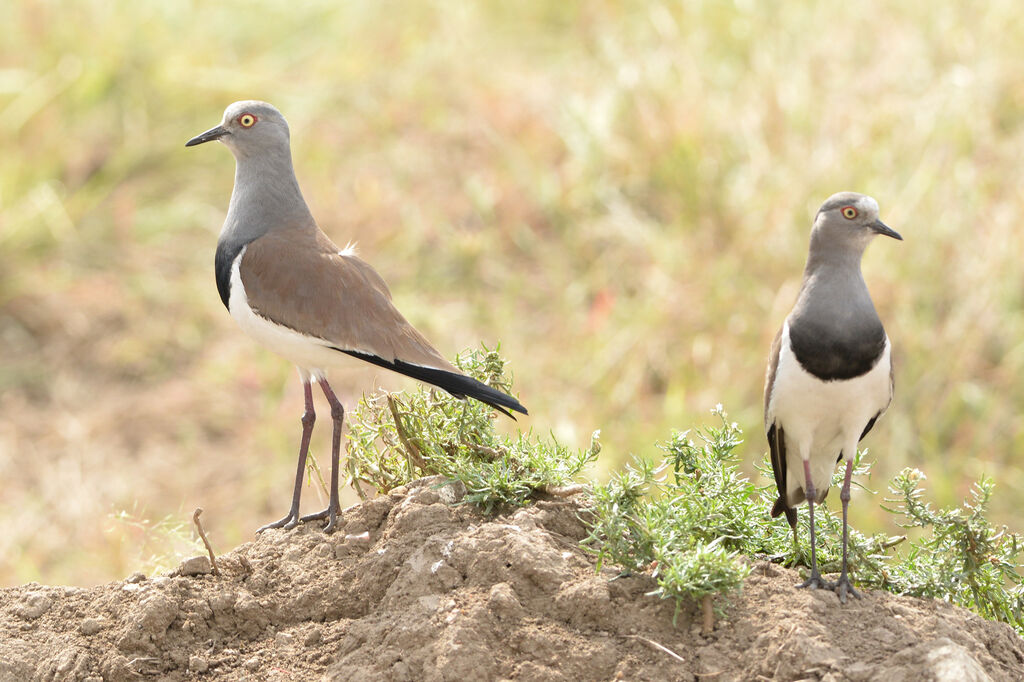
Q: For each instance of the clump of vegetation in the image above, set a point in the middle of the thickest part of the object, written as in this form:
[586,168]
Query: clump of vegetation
[964,560]
[688,520]
[694,524]
[394,439]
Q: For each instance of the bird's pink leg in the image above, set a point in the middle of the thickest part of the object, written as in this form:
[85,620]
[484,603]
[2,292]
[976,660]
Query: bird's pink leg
[814,581]
[308,418]
[843,586]
[334,506]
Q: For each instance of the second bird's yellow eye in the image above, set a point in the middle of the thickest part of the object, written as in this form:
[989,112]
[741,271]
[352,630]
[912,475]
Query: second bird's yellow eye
[849,212]
[247,120]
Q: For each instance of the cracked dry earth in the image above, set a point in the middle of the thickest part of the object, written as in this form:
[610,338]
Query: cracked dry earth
[415,587]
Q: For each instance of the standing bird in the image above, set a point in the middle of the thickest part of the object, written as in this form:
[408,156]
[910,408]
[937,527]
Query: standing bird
[290,288]
[830,374]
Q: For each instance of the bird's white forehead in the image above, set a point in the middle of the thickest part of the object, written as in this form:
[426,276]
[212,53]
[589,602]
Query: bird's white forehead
[868,204]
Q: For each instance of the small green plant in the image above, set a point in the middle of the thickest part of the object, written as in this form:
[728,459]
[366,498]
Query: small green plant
[710,497]
[623,526]
[690,530]
[964,560]
[394,439]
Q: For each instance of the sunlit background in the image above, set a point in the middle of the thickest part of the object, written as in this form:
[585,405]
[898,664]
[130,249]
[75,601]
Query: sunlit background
[618,192]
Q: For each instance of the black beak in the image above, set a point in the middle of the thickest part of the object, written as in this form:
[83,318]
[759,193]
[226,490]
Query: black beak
[211,134]
[878,226]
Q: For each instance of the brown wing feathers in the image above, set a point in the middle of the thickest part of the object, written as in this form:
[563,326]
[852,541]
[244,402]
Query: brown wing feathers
[298,278]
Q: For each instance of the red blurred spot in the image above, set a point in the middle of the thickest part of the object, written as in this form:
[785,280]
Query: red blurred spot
[600,309]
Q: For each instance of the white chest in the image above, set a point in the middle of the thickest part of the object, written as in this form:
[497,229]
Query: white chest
[823,418]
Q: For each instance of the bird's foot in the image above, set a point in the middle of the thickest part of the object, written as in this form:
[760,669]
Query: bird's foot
[815,582]
[330,513]
[843,587]
[288,522]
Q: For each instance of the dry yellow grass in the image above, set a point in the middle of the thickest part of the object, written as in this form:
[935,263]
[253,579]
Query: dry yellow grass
[618,192]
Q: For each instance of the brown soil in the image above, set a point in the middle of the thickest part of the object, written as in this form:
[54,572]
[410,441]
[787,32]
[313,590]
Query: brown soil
[413,588]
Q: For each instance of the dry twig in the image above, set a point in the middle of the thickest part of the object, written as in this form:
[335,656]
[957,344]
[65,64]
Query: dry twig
[414,452]
[199,528]
[659,647]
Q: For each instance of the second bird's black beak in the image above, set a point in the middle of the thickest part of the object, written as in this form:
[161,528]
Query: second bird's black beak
[209,135]
[878,226]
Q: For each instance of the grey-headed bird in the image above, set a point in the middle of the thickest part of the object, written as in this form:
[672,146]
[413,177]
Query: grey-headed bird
[830,374]
[290,288]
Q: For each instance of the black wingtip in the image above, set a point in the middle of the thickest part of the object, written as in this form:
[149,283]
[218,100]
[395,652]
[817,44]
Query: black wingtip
[459,385]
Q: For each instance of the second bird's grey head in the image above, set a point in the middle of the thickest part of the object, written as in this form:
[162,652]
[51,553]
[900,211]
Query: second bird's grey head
[248,128]
[848,220]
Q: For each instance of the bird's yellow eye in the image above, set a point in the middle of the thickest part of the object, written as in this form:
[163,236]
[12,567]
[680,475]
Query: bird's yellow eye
[247,120]
[849,212]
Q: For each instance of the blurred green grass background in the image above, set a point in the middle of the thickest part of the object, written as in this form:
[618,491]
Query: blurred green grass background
[618,192]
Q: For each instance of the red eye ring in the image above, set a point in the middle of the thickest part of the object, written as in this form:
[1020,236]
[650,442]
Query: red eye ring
[849,212]
[247,120]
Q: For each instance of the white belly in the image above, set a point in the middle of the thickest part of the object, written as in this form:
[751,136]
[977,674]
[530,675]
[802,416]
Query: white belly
[311,355]
[822,419]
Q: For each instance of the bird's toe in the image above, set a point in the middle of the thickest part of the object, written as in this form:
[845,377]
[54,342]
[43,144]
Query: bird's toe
[288,522]
[815,582]
[844,587]
[329,513]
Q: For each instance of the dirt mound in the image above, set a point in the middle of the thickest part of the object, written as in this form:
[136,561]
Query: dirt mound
[414,588]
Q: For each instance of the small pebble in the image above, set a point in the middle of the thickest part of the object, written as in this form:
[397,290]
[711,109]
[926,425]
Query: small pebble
[252,664]
[34,605]
[136,577]
[400,671]
[313,637]
[198,664]
[197,565]
[90,626]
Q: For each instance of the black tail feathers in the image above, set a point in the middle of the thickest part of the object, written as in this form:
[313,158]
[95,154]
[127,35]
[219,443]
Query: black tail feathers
[459,385]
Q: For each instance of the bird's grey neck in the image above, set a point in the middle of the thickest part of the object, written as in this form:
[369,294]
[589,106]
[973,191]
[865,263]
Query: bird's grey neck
[833,281]
[266,197]
[828,287]
[825,253]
